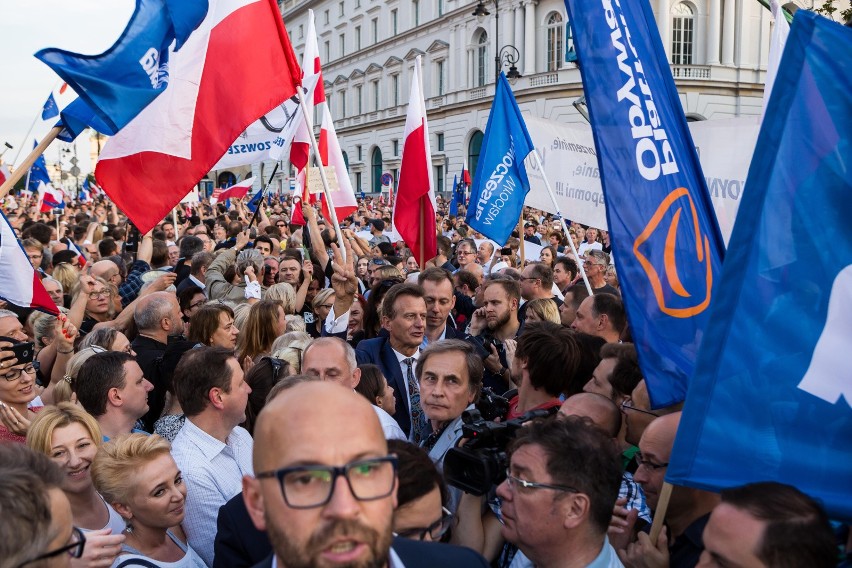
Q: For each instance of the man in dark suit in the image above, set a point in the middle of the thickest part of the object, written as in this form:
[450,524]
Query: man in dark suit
[404,317]
[440,299]
[329,520]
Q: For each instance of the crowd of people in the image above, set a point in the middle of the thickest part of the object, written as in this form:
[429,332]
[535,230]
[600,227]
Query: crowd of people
[206,385]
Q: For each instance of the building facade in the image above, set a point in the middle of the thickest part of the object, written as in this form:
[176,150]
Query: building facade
[718,50]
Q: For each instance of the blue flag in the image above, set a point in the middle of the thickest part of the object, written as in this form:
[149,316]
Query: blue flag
[771,395]
[123,80]
[38,173]
[500,184]
[255,200]
[75,118]
[666,241]
[454,203]
[49,110]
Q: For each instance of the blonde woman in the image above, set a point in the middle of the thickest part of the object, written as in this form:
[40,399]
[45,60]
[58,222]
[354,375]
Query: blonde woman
[542,309]
[71,437]
[138,476]
[321,304]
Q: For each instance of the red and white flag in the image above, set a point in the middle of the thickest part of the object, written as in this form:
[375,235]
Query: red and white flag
[329,148]
[236,191]
[19,282]
[465,174]
[4,174]
[234,68]
[414,209]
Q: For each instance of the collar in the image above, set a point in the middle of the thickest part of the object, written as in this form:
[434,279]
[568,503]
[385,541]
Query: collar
[209,446]
[606,558]
[400,357]
[197,282]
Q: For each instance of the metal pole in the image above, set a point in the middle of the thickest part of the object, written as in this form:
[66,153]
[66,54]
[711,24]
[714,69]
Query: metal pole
[497,65]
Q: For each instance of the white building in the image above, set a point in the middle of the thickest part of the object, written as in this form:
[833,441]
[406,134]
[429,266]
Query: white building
[718,51]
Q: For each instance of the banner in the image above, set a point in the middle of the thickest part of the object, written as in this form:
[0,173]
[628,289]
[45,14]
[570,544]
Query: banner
[568,155]
[666,243]
[771,394]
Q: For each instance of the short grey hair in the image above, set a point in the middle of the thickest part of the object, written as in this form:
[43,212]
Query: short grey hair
[8,314]
[155,309]
[348,350]
[250,257]
[58,283]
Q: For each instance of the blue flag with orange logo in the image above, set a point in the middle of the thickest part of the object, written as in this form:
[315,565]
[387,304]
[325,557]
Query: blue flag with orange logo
[666,241]
[771,394]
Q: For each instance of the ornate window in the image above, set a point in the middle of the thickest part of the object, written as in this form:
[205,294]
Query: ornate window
[683,33]
[481,60]
[376,164]
[473,148]
[555,41]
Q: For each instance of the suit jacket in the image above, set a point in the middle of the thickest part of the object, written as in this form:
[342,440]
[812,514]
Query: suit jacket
[417,554]
[378,351]
[238,543]
[149,355]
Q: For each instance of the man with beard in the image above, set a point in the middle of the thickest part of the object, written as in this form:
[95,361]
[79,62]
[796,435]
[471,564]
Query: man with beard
[313,517]
[491,325]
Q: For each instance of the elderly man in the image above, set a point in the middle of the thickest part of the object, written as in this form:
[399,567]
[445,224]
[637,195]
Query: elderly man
[343,514]
[219,288]
[332,359]
[449,374]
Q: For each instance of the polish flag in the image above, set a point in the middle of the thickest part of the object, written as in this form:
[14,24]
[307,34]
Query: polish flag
[329,147]
[81,258]
[236,191]
[465,174]
[153,162]
[19,282]
[414,208]
[4,174]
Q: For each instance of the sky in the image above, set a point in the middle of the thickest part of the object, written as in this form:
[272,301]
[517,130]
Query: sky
[82,26]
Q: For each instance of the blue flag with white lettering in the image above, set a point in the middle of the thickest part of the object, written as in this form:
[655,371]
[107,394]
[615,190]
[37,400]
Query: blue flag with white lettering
[49,110]
[123,80]
[500,184]
[666,242]
[771,395]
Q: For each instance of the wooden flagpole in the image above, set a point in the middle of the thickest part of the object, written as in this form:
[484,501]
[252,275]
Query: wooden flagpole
[29,161]
[660,512]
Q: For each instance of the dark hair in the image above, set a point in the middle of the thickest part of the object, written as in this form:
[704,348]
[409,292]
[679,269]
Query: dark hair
[99,374]
[626,374]
[417,473]
[261,378]
[590,358]
[579,292]
[372,317]
[397,291]
[579,455]
[201,259]
[186,295]
[40,232]
[435,274]
[385,248]
[551,355]
[190,245]
[378,224]
[797,530]
[511,286]
[199,371]
[568,264]
[205,321]
[613,308]
[233,229]
[372,383]
[466,278]
[475,367]
[265,239]
[544,273]
[107,247]
[445,245]
[160,253]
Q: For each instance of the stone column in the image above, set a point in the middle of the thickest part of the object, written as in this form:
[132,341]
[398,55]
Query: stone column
[714,19]
[529,37]
[519,35]
[728,31]
[664,23]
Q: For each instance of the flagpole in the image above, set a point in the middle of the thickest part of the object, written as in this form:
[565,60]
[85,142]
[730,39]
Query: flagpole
[263,191]
[660,512]
[29,161]
[521,233]
[562,220]
[421,244]
[318,160]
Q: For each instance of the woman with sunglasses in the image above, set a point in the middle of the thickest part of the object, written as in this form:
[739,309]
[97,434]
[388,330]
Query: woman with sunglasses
[138,476]
[70,437]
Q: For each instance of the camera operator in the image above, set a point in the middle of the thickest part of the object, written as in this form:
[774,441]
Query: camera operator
[491,325]
[546,360]
[449,374]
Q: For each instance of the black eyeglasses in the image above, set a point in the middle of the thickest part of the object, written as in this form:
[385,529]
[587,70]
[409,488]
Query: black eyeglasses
[74,548]
[15,374]
[435,531]
[648,463]
[310,486]
[625,406]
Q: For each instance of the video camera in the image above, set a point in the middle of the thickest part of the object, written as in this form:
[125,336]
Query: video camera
[481,463]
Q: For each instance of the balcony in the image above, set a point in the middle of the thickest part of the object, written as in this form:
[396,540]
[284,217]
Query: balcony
[545,79]
[691,71]
[477,93]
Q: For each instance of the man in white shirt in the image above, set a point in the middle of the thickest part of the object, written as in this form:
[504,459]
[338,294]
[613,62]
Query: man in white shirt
[211,450]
